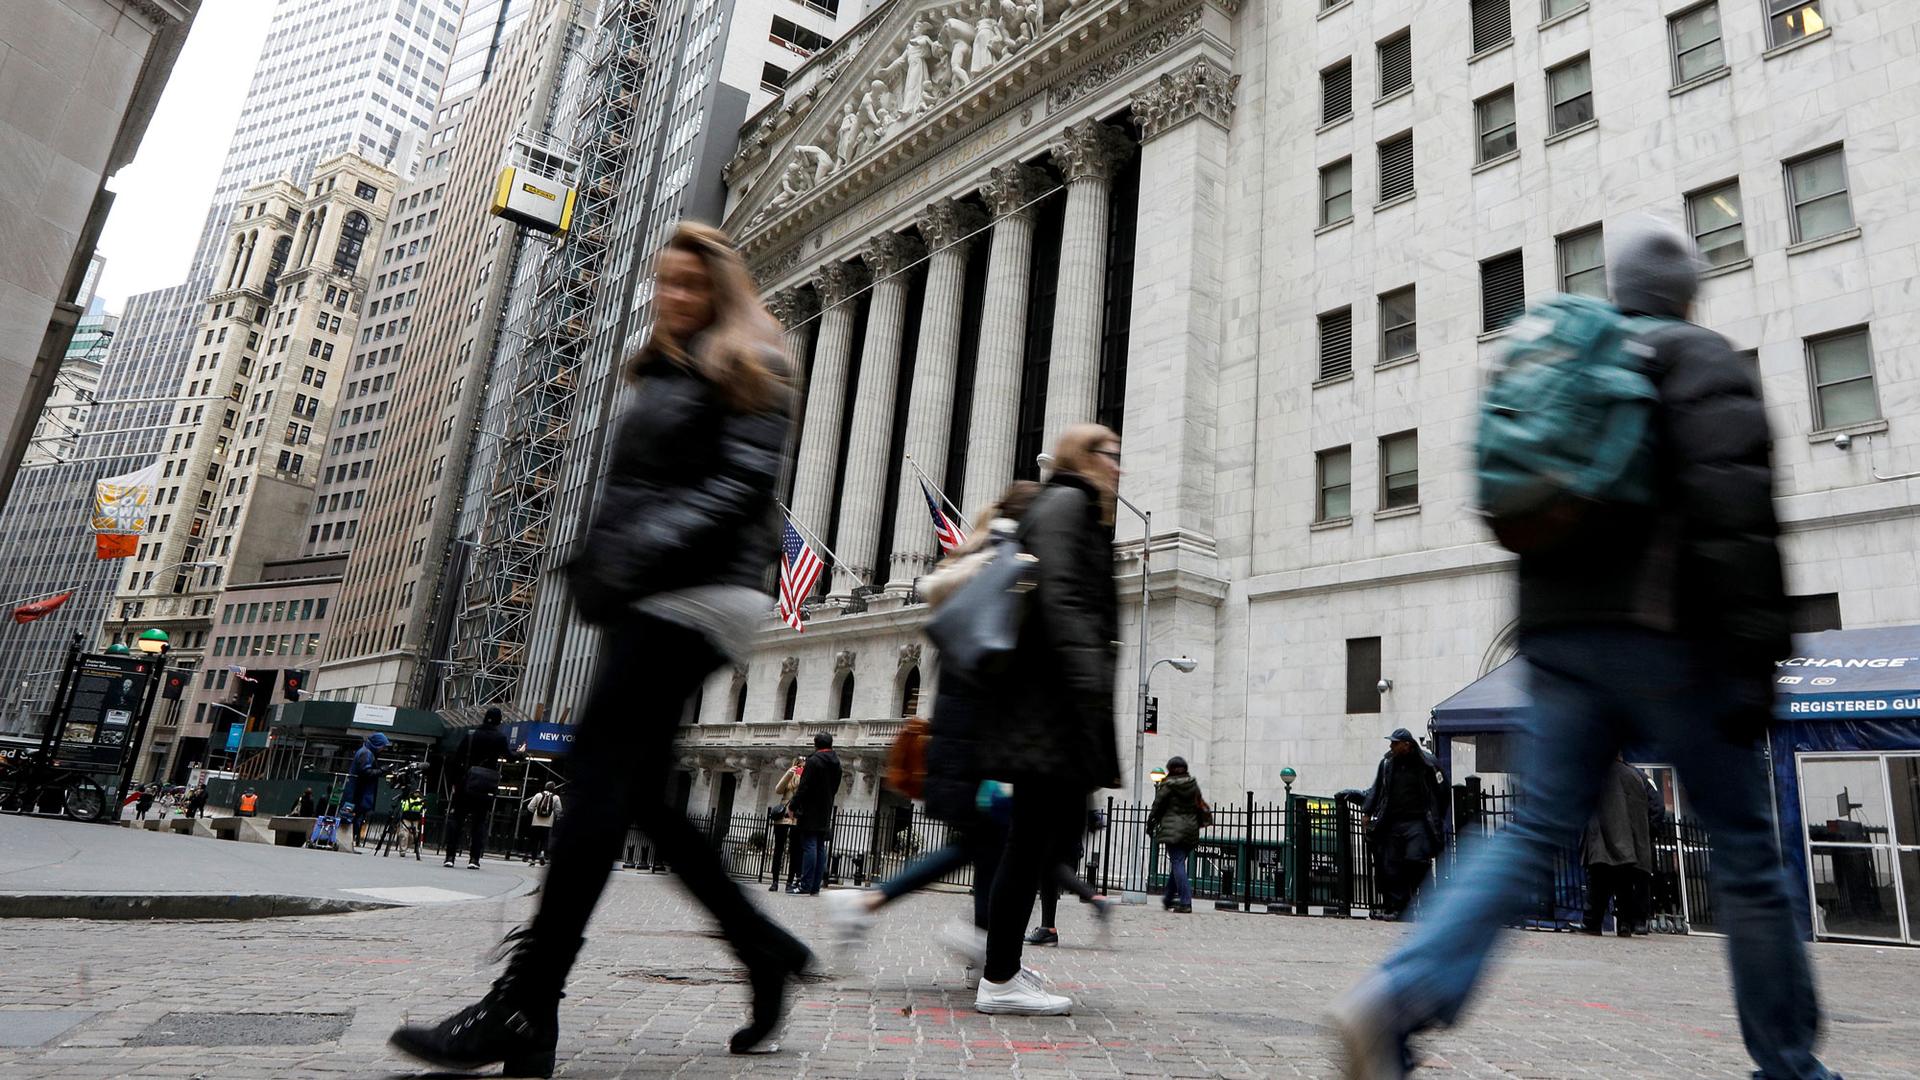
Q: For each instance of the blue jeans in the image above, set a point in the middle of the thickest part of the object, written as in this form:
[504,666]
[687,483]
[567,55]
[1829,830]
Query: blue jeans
[1594,689]
[1179,888]
[813,860]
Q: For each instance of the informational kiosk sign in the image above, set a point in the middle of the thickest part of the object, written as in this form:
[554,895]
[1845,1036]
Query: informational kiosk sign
[108,694]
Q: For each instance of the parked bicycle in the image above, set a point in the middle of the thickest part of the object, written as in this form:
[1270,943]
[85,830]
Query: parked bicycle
[31,784]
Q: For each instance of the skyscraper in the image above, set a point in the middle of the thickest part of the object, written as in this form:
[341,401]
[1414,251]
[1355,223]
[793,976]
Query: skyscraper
[332,76]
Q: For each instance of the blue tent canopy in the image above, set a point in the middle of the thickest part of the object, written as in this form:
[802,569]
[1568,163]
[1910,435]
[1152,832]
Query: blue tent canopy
[1834,675]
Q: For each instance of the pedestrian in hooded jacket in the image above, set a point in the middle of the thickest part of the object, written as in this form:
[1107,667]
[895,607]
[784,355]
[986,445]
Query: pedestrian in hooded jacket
[363,785]
[1175,821]
[1052,718]
[673,572]
[1405,810]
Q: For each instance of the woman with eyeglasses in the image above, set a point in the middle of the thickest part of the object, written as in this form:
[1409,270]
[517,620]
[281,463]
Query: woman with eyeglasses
[1055,741]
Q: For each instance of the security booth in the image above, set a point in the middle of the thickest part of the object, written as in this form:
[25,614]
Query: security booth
[1844,763]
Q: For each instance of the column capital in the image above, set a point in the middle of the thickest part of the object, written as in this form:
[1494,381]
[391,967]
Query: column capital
[1090,150]
[1010,188]
[947,221]
[1201,89]
[837,281]
[889,253]
[793,306]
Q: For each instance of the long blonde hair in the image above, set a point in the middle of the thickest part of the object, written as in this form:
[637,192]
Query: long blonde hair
[740,349]
[1074,451]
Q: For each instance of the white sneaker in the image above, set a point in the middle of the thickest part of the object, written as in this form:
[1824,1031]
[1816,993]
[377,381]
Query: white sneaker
[967,941]
[849,916]
[1021,995]
[1365,1020]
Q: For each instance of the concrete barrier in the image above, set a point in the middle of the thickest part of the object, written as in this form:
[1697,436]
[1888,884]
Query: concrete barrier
[290,831]
[249,830]
[187,826]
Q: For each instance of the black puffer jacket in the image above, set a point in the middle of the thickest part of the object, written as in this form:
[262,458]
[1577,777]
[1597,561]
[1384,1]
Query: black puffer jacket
[1705,562]
[689,494]
[1054,715]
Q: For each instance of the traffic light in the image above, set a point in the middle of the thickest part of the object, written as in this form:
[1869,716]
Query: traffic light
[293,683]
[175,686]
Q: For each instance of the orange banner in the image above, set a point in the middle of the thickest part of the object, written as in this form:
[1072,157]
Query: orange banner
[115,545]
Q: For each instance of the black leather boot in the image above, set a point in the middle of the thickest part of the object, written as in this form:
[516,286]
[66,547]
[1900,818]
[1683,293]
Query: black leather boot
[769,967]
[517,1025]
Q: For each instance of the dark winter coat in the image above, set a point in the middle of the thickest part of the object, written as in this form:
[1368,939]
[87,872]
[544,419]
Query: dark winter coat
[1053,711]
[1620,833]
[1433,811]
[953,753]
[689,496]
[1704,562]
[812,804]
[480,756]
[1175,817]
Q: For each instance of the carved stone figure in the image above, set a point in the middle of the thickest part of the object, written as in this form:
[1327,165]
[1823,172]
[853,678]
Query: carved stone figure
[847,146]
[876,108]
[989,38]
[913,65]
[822,162]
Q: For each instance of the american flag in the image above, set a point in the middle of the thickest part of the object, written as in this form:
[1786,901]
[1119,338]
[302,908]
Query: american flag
[799,569]
[949,532]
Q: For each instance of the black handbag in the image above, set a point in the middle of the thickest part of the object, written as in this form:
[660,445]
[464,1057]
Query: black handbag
[978,627]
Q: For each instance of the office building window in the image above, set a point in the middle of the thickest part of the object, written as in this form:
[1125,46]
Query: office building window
[1396,167]
[1363,675]
[1817,190]
[1494,118]
[1553,9]
[1397,337]
[1695,36]
[1713,215]
[1570,94]
[1583,263]
[1503,291]
[1333,470]
[1400,470]
[1492,23]
[1336,92]
[1336,344]
[1336,192]
[1791,20]
[1841,368]
[1396,63]
[773,77]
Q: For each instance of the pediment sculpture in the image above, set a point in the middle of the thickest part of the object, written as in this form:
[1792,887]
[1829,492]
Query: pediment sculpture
[946,48]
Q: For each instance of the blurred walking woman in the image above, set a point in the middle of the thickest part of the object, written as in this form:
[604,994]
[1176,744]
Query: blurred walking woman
[671,571]
[1055,737]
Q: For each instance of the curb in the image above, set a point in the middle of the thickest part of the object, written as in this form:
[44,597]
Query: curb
[128,906]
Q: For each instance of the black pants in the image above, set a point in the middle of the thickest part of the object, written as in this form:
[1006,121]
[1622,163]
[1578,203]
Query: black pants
[469,809]
[1406,857]
[622,760]
[1619,884]
[786,852]
[1047,820]
[1064,877]
[980,843]
[539,841]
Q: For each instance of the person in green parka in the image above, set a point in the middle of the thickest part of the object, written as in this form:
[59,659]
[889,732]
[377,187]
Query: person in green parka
[1179,813]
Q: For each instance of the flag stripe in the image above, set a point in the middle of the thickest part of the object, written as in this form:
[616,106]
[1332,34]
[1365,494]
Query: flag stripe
[799,569]
[945,529]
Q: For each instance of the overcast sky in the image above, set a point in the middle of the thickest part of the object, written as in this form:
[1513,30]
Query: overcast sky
[160,198]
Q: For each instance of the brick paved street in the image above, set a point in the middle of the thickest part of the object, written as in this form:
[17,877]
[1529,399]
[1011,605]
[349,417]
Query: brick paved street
[1210,994]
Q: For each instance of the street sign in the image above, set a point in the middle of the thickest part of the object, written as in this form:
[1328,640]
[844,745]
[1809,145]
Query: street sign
[1153,716]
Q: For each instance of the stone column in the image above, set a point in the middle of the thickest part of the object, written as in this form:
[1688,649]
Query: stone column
[945,226]
[826,393]
[994,425]
[795,309]
[887,257]
[1086,154]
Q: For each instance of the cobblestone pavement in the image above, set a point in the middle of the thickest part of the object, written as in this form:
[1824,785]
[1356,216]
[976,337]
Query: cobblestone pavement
[1208,994]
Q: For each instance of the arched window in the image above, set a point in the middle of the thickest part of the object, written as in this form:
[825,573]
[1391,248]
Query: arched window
[353,235]
[910,694]
[277,263]
[740,702]
[792,699]
[845,711]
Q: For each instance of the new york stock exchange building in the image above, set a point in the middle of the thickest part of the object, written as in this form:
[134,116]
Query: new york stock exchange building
[1273,247]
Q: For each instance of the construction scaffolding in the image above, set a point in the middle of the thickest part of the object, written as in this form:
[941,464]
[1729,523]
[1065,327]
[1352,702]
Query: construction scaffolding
[544,368]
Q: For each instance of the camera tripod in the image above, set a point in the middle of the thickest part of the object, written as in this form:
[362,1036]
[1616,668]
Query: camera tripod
[399,834]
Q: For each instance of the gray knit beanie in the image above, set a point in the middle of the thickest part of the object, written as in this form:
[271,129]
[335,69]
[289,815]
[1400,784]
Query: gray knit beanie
[1653,267]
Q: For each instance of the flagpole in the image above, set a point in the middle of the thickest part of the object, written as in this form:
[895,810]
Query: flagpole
[928,480]
[39,596]
[809,537]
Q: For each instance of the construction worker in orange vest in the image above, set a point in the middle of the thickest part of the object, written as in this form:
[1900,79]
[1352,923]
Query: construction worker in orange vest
[248,800]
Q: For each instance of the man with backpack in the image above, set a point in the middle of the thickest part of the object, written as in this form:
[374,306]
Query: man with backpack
[1624,454]
[543,809]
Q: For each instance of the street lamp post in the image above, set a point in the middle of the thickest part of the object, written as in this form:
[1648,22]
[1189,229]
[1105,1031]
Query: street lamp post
[1182,664]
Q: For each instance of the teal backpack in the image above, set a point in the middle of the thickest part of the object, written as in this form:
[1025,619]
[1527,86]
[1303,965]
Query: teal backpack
[1566,422]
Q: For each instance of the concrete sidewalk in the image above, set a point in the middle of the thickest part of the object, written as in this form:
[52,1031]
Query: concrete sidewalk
[52,868]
